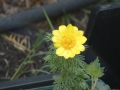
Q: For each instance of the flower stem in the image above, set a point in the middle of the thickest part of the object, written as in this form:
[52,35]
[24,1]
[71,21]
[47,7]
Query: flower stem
[94,82]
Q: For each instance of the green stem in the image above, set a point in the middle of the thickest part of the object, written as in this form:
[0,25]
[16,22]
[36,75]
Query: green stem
[48,19]
[95,83]
[92,83]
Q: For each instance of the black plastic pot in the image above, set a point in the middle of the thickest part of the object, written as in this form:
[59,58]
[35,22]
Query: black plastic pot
[26,83]
[103,33]
[99,86]
[42,82]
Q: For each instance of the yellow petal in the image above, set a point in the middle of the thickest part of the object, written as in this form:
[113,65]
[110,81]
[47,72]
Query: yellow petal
[56,33]
[72,54]
[59,51]
[75,50]
[81,39]
[80,47]
[56,39]
[75,29]
[62,29]
[57,45]
[66,54]
[69,29]
[78,33]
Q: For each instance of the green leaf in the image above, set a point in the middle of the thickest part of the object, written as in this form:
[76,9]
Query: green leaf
[38,41]
[48,19]
[95,70]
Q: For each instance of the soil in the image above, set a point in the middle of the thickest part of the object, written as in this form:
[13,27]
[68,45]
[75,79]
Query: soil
[10,56]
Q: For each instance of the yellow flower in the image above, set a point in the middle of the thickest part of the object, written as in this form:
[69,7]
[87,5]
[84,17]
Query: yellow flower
[68,41]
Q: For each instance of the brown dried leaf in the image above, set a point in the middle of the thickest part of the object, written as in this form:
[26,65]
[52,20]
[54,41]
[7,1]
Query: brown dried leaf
[23,45]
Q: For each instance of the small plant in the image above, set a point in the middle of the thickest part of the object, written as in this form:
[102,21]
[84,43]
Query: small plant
[65,57]
[28,58]
[31,53]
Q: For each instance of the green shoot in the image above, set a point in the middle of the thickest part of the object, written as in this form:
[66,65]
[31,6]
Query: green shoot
[48,19]
[28,58]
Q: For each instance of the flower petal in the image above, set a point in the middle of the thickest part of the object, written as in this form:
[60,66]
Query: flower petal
[57,45]
[59,51]
[75,29]
[72,54]
[75,50]
[56,39]
[66,54]
[56,33]
[69,29]
[78,33]
[81,39]
[62,29]
[80,47]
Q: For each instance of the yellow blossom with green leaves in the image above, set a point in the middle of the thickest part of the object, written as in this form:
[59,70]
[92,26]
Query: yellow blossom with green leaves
[68,40]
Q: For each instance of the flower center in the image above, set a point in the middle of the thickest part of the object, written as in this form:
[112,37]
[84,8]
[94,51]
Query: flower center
[68,42]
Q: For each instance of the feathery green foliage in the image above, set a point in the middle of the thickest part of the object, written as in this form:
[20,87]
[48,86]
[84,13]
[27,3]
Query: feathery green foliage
[69,82]
[70,65]
[73,71]
[48,37]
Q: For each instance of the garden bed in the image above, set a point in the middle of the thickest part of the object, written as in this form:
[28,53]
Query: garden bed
[10,56]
